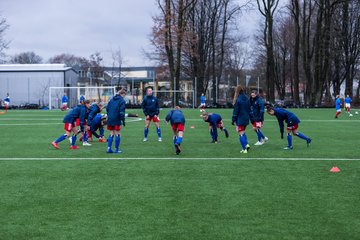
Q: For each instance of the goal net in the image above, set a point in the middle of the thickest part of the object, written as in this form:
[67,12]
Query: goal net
[103,94]
[167,98]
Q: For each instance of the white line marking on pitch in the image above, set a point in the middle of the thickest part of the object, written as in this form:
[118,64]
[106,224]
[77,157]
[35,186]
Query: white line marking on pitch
[182,158]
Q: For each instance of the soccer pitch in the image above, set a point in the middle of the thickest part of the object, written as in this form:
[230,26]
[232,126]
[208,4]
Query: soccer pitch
[209,191]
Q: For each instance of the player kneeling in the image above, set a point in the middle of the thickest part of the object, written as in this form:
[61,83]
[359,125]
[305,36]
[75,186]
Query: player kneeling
[177,120]
[215,122]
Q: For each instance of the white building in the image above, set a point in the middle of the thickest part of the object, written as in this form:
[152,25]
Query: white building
[29,83]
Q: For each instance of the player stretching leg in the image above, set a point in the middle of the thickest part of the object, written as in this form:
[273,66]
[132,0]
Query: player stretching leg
[116,117]
[151,109]
[292,125]
[69,124]
[98,123]
[177,120]
[215,122]
[257,116]
[241,116]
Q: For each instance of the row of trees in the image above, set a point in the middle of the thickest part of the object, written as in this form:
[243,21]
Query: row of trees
[306,48]
[313,44]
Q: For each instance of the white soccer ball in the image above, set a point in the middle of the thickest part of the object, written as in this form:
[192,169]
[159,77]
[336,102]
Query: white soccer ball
[350,115]
[356,113]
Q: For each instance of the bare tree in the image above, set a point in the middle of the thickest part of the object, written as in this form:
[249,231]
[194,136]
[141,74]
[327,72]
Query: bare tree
[69,60]
[26,58]
[267,8]
[3,43]
[117,63]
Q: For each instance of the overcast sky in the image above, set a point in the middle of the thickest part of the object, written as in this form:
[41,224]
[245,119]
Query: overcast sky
[82,27]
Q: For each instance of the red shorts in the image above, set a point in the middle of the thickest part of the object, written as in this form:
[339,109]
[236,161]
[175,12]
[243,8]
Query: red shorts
[218,125]
[240,128]
[178,126]
[257,124]
[78,122]
[114,128]
[154,119]
[68,127]
[294,127]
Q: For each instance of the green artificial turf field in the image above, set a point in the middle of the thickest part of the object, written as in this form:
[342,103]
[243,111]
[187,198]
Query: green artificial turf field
[209,191]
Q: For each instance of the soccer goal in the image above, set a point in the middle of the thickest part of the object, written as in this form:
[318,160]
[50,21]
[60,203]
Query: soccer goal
[167,98]
[103,94]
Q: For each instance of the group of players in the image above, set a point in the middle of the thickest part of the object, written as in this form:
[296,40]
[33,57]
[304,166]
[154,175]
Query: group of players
[86,120]
[347,105]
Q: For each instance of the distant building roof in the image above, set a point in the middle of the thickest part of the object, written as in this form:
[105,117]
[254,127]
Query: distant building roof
[34,68]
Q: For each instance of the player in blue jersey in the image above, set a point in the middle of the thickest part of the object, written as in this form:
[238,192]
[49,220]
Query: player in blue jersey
[202,102]
[348,101]
[177,121]
[97,123]
[337,106]
[257,116]
[151,109]
[81,99]
[215,122]
[241,116]
[95,108]
[64,102]
[116,118]
[292,122]
[69,124]
[7,101]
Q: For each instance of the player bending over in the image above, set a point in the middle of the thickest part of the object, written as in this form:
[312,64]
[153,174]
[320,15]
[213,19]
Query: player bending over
[215,122]
[241,116]
[292,125]
[257,116]
[116,118]
[93,111]
[151,109]
[69,124]
[177,120]
[98,123]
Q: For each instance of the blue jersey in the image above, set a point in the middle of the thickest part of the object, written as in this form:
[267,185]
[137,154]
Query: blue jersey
[214,119]
[82,98]
[175,116]
[78,112]
[202,99]
[257,109]
[150,106]
[64,99]
[338,104]
[283,115]
[94,109]
[96,122]
[241,112]
[348,100]
[116,111]
[7,99]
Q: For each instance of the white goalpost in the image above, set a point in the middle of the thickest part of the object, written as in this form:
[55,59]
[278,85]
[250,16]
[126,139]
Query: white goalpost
[93,94]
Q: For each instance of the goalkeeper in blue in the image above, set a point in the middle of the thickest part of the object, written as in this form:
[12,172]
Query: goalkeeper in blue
[257,117]
[215,122]
[292,122]
[177,120]
[151,109]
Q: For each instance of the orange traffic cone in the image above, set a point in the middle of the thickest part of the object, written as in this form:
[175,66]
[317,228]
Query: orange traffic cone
[335,169]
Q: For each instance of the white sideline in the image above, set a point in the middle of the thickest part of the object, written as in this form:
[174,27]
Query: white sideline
[177,158]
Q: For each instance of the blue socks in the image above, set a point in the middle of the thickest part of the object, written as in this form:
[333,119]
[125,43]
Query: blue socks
[85,137]
[61,138]
[175,140]
[243,141]
[179,140]
[302,136]
[73,140]
[260,135]
[146,132]
[289,139]
[117,142]
[158,132]
[110,141]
